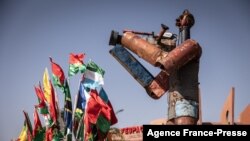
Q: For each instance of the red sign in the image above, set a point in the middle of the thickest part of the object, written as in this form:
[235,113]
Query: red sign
[131,130]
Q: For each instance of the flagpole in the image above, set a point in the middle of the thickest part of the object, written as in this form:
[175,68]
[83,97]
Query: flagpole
[68,81]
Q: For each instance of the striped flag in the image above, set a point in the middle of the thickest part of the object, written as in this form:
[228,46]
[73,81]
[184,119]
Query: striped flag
[67,111]
[93,76]
[50,97]
[76,64]
[79,113]
[42,106]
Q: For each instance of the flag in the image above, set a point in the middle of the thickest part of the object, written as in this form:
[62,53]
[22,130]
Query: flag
[93,76]
[103,125]
[46,85]
[23,135]
[52,104]
[76,64]
[49,94]
[42,107]
[57,75]
[29,126]
[53,134]
[98,114]
[39,131]
[57,135]
[105,98]
[67,110]
[95,106]
[79,112]
[79,132]
[49,134]
[58,79]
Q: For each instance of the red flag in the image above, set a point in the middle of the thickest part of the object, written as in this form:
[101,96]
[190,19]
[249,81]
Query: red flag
[76,58]
[87,128]
[58,74]
[76,64]
[40,94]
[37,124]
[52,104]
[95,106]
[49,134]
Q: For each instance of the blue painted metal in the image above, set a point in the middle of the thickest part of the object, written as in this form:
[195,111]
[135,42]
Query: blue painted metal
[132,65]
[186,108]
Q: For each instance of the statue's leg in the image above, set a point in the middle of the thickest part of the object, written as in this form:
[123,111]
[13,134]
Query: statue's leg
[182,111]
[186,112]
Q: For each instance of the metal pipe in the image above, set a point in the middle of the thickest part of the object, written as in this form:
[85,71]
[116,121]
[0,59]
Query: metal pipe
[159,86]
[141,47]
[164,28]
[178,57]
[184,33]
[137,45]
[140,33]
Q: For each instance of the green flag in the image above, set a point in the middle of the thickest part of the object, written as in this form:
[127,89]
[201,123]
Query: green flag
[76,64]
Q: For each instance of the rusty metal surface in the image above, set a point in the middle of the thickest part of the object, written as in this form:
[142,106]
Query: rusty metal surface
[185,120]
[164,28]
[173,60]
[141,47]
[155,86]
[168,61]
[159,86]
[139,32]
[179,56]
[177,63]
[186,19]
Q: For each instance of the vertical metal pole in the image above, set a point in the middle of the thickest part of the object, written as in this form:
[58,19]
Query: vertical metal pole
[184,33]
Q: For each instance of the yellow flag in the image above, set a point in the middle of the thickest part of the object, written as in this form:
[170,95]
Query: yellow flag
[23,135]
[46,85]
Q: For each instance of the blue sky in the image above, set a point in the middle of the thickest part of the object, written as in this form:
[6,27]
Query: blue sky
[31,31]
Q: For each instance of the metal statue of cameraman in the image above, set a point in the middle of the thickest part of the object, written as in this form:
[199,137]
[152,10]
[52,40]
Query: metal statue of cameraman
[179,66]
